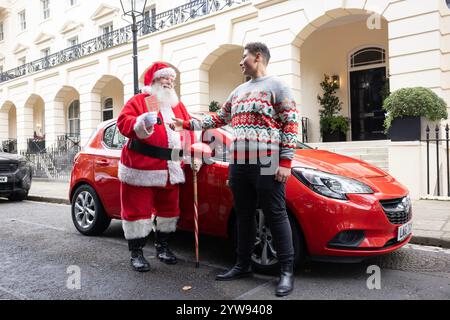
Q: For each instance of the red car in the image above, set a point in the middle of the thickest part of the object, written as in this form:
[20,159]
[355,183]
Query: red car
[340,208]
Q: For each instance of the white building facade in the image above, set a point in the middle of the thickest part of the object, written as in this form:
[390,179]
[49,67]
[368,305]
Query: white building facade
[66,65]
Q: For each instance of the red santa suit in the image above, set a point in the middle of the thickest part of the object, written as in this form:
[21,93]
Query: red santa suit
[149,186]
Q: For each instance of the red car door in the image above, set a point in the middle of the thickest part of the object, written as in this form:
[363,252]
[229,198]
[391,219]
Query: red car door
[106,164]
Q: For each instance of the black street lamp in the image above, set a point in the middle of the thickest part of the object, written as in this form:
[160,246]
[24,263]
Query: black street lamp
[134,9]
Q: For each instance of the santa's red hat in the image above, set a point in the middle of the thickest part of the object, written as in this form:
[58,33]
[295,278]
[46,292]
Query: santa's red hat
[158,70]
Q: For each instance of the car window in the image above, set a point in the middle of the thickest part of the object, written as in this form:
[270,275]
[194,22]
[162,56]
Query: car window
[113,138]
[119,140]
[109,135]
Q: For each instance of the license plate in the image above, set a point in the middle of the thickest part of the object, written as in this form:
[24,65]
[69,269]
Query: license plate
[3,179]
[404,231]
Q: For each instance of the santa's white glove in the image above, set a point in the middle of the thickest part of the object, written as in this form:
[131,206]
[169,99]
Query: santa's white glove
[197,164]
[150,118]
[144,125]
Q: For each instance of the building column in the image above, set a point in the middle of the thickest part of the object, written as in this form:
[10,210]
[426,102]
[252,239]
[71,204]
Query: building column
[194,88]
[25,125]
[90,114]
[285,63]
[54,122]
[4,124]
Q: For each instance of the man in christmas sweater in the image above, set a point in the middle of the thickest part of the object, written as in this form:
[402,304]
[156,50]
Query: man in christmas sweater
[264,119]
[150,167]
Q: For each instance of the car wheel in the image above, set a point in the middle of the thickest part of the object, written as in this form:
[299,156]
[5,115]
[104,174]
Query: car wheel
[88,214]
[264,257]
[20,196]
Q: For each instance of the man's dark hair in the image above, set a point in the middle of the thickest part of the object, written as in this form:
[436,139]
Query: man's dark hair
[255,47]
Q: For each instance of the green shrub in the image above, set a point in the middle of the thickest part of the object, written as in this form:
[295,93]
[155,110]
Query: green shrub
[415,102]
[214,106]
[330,120]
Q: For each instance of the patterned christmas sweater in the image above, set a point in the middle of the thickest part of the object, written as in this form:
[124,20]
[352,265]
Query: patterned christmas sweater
[262,114]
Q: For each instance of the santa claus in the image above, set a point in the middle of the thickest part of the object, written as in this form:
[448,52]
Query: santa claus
[151,165]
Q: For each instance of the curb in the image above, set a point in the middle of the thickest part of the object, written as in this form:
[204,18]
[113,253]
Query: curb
[48,199]
[428,241]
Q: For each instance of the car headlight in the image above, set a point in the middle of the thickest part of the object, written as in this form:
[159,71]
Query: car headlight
[329,185]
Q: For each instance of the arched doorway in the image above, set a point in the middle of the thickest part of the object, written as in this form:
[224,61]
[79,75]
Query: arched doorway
[8,127]
[224,72]
[330,50]
[35,131]
[110,91]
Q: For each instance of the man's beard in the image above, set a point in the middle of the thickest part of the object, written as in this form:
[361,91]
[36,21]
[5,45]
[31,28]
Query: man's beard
[167,97]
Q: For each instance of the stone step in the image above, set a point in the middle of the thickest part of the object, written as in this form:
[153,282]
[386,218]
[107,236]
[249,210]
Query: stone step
[351,144]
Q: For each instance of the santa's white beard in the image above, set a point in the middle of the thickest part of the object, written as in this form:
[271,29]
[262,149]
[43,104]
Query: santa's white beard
[167,97]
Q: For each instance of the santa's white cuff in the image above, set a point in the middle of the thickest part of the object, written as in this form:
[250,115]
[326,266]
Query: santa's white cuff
[142,132]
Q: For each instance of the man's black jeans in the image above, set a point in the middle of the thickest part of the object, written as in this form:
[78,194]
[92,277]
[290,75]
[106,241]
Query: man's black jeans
[253,190]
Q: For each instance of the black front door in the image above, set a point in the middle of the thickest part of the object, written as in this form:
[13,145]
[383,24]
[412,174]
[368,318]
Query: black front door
[366,104]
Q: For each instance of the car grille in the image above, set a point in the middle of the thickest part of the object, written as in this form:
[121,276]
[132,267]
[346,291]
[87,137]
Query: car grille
[396,211]
[6,186]
[8,167]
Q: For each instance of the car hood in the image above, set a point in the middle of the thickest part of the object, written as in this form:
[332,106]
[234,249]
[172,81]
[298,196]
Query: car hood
[336,164]
[4,156]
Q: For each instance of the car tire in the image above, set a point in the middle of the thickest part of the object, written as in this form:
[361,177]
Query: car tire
[271,264]
[19,196]
[88,214]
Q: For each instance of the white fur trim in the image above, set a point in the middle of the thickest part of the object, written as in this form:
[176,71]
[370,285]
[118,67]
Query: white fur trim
[142,178]
[140,128]
[176,173]
[166,224]
[138,229]
[165,72]
[147,89]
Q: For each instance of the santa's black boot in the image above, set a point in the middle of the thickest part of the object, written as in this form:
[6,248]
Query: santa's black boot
[162,248]
[138,261]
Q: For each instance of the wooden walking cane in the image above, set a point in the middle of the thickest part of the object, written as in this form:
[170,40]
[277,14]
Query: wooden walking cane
[194,182]
[199,151]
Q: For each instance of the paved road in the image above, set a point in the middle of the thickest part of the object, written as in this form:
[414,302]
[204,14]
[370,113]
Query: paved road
[39,243]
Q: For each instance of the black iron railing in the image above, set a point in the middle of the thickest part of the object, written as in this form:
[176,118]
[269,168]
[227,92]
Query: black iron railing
[36,145]
[437,140]
[68,142]
[9,145]
[304,129]
[161,21]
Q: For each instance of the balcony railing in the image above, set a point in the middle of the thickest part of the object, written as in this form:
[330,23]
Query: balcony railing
[161,21]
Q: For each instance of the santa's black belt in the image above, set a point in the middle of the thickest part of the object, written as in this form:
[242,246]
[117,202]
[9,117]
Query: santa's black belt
[154,151]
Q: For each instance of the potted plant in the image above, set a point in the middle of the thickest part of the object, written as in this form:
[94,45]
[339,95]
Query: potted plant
[333,127]
[407,108]
[214,106]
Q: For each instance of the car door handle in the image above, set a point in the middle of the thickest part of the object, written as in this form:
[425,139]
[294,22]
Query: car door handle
[103,162]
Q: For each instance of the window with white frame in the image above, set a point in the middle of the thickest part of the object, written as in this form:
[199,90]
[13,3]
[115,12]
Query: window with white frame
[21,61]
[22,20]
[72,41]
[74,118]
[45,52]
[149,19]
[45,5]
[73,2]
[448,3]
[106,28]
[2,36]
[108,109]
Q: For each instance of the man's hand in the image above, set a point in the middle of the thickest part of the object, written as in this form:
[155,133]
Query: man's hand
[177,124]
[282,174]
[150,118]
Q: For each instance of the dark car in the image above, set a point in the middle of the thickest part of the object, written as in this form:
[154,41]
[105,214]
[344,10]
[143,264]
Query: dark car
[15,176]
